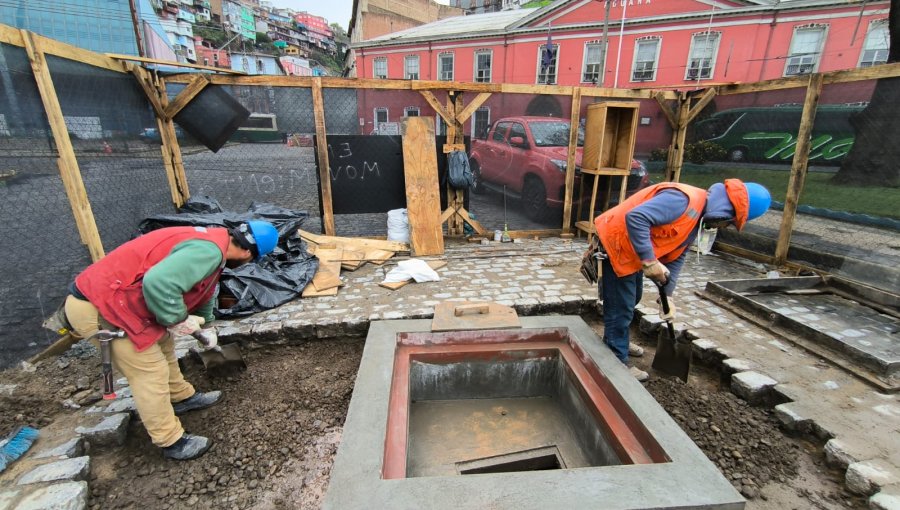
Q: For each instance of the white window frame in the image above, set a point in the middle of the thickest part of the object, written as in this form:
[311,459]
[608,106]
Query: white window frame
[540,77]
[484,110]
[878,32]
[584,63]
[634,61]
[375,62]
[440,66]
[806,62]
[375,121]
[409,109]
[407,68]
[695,68]
[490,71]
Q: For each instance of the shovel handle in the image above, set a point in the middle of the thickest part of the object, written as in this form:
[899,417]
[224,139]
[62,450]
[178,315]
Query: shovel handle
[664,302]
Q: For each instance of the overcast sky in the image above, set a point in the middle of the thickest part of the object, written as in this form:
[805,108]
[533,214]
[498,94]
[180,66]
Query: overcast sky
[335,11]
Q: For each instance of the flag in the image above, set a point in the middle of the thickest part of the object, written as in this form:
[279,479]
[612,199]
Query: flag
[547,57]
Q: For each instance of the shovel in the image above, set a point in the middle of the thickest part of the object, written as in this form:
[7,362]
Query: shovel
[673,354]
[221,360]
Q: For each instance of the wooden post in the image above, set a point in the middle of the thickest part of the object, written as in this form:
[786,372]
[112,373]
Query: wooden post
[67,162]
[171,149]
[570,160]
[322,152]
[798,167]
[676,152]
[454,136]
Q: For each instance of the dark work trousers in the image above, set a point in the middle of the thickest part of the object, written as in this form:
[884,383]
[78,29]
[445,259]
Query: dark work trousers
[620,295]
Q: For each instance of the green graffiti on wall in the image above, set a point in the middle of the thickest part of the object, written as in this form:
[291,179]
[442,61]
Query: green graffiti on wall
[823,147]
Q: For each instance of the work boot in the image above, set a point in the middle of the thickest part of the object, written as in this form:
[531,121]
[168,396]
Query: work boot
[635,350]
[187,447]
[196,401]
[638,374]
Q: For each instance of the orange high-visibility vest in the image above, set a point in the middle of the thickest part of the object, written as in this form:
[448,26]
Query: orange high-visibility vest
[667,240]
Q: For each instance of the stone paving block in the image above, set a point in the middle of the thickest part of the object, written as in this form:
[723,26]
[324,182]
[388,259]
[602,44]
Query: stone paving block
[869,476]
[704,349]
[237,331]
[71,448]
[732,365]
[74,470]
[650,323]
[58,496]
[110,431]
[329,327]
[888,498]
[753,387]
[298,329]
[267,332]
[837,454]
[120,405]
[791,419]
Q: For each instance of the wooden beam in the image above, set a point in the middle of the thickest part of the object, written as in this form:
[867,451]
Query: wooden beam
[676,152]
[798,167]
[423,201]
[322,152]
[12,36]
[701,104]
[185,96]
[476,103]
[438,107]
[454,85]
[67,162]
[141,75]
[891,70]
[574,113]
[169,139]
[147,60]
[670,116]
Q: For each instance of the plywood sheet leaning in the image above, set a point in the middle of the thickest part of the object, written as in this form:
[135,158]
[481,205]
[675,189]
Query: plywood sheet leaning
[423,200]
[433,264]
[467,315]
[327,279]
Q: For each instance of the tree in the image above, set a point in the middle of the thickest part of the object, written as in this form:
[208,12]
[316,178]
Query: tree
[873,159]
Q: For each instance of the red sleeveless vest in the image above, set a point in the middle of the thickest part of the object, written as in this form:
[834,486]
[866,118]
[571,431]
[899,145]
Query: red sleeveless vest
[114,284]
[667,240]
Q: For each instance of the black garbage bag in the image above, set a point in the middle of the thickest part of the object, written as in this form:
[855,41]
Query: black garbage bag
[276,279]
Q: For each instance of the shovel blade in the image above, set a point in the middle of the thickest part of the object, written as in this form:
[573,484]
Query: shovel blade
[224,361]
[673,356]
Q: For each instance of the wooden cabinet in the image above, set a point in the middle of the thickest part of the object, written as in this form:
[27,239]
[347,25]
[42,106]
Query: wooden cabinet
[609,134]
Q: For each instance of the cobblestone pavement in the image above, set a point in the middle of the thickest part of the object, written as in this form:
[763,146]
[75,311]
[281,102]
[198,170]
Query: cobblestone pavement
[860,423]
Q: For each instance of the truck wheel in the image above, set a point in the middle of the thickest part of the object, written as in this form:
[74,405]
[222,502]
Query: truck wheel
[478,185]
[534,199]
[737,154]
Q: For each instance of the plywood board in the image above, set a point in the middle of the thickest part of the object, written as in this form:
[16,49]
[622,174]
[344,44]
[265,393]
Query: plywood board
[423,200]
[354,243]
[323,283]
[433,264]
[467,315]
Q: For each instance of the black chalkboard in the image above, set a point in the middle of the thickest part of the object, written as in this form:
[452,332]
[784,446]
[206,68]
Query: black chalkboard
[367,173]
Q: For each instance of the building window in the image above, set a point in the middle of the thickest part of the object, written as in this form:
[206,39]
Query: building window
[481,120]
[806,46]
[440,127]
[380,68]
[445,67]
[547,63]
[260,67]
[593,59]
[646,52]
[483,60]
[411,71]
[702,57]
[411,111]
[875,48]
[205,61]
[216,58]
[381,117]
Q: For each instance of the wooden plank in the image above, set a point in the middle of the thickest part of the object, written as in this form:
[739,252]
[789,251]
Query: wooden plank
[352,260]
[185,96]
[322,152]
[450,147]
[13,36]
[140,74]
[433,264]
[354,243]
[378,257]
[670,116]
[438,107]
[422,189]
[67,162]
[519,88]
[472,315]
[329,270]
[476,103]
[170,63]
[798,167]
[454,85]
[701,104]
[570,160]
[676,152]
[169,139]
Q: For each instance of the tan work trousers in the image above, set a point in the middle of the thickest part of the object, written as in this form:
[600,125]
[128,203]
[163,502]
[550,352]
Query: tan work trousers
[153,374]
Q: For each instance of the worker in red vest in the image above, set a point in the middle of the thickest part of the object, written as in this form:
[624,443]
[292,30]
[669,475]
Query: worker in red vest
[648,235]
[156,287]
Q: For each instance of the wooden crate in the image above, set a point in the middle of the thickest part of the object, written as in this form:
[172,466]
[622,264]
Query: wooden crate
[609,134]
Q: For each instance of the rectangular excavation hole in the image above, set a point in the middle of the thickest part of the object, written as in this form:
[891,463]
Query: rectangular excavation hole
[537,459]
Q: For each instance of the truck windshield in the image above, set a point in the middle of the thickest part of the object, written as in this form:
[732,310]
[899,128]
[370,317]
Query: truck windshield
[552,133]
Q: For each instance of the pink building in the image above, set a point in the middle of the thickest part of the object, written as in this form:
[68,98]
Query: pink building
[209,56]
[651,44]
[317,26]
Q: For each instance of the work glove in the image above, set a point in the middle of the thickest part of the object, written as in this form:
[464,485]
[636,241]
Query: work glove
[187,326]
[668,317]
[208,338]
[656,271]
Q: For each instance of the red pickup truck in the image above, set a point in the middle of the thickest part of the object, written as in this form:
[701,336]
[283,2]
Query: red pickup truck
[527,156]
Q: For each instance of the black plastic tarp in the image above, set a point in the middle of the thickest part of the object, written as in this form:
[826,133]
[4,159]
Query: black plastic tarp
[276,279]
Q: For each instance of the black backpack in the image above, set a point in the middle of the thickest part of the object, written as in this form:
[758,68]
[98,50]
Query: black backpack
[459,174]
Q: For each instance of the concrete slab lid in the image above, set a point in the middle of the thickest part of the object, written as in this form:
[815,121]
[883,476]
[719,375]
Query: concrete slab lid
[689,481]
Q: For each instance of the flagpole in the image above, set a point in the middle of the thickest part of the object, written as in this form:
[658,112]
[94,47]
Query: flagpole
[621,42]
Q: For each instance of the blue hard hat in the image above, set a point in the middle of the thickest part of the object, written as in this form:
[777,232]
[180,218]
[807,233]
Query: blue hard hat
[265,237]
[760,200]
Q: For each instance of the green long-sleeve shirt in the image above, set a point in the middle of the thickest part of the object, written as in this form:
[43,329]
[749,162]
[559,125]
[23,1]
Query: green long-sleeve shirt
[166,283]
